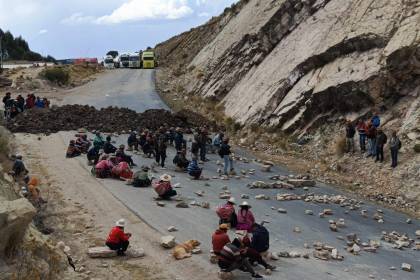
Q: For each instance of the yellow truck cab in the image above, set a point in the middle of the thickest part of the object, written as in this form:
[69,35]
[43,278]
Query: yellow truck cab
[148,60]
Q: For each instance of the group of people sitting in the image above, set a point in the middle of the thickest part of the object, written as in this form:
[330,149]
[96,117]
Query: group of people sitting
[243,250]
[12,107]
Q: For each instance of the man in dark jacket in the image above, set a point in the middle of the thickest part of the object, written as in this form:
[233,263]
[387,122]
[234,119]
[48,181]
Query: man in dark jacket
[202,143]
[225,153]
[394,146]
[380,142]
[260,238]
[160,147]
[179,139]
[132,142]
[108,147]
[350,131]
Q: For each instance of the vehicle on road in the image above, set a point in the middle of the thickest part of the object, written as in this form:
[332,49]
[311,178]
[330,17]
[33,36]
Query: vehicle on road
[124,60]
[148,59]
[109,62]
[134,60]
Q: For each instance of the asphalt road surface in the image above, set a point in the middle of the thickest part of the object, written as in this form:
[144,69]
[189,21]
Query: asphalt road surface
[198,223]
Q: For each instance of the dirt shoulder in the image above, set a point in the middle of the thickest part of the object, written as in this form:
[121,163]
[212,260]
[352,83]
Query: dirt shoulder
[81,212]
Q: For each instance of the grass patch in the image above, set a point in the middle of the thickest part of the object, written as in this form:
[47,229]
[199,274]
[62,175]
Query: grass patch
[58,75]
[340,146]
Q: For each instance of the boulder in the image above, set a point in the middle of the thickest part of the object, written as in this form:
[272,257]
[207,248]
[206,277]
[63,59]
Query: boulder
[15,216]
[101,252]
[301,182]
[167,241]
[266,168]
[406,267]
[135,253]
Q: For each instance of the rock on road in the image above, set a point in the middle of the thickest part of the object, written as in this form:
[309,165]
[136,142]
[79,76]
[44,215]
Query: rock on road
[135,89]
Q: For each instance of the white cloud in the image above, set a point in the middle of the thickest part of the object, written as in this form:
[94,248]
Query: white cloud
[77,18]
[138,10]
[43,31]
[204,14]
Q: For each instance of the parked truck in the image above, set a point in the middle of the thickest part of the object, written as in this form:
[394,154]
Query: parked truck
[124,60]
[134,60]
[148,59]
[109,62]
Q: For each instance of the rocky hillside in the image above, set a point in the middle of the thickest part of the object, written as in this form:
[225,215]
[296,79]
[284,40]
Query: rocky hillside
[300,67]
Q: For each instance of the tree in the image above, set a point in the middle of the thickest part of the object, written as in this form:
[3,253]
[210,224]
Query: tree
[114,54]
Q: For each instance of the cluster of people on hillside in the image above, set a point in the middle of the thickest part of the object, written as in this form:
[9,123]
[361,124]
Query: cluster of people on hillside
[12,107]
[243,250]
[30,188]
[372,139]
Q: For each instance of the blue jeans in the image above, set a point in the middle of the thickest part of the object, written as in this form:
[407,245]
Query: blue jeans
[228,160]
[394,157]
[371,147]
[362,142]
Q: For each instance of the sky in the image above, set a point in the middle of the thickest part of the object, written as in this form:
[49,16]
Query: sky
[90,28]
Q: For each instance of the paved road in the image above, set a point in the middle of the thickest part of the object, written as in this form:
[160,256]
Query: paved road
[198,223]
[129,88]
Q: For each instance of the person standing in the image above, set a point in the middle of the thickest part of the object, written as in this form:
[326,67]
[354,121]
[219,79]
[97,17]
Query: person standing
[380,142]
[225,153]
[179,139]
[371,136]
[362,129]
[394,146]
[202,143]
[160,148]
[350,131]
[117,239]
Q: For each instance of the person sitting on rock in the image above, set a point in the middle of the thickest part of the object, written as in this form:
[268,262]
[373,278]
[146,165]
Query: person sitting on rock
[103,168]
[93,156]
[132,142]
[220,238]
[232,257]
[122,171]
[245,217]
[181,161]
[98,141]
[227,213]
[118,239]
[141,178]
[194,170]
[164,188]
[73,150]
[259,245]
[18,168]
[122,156]
[108,147]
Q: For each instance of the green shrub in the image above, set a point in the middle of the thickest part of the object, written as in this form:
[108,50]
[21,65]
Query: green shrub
[57,75]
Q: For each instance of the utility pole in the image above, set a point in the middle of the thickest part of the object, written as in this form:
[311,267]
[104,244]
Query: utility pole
[1,56]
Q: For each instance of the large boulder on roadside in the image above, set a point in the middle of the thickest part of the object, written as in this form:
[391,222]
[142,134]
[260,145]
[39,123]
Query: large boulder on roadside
[167,241]
[15,216]
[101,252]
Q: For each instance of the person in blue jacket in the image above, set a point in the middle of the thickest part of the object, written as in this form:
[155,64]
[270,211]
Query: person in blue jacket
[376,121]
[194,170]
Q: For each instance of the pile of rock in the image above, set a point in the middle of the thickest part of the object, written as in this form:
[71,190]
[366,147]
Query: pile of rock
[111,119]
[326,252]
[399,240]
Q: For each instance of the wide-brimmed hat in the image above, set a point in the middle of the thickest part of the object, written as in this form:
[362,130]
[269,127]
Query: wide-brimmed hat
[165,178]
[245,204]
[224,226]
[231,200]
[145,168]
[120,223]
[122,146]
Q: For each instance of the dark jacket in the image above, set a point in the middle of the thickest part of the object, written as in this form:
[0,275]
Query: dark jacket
[381,139]
[350,131]
[161,143]
[132,139]
[395,143]
[194,147]
[371,132]
[224,150]
[178,139]
[109,148]
[260,239]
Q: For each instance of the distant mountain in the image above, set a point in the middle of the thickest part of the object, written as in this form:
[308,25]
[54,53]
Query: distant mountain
[18,49]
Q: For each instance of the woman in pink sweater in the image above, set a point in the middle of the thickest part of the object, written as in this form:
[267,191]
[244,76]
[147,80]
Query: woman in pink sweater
[245,217]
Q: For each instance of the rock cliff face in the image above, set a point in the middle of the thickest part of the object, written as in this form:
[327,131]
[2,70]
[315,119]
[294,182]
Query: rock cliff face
[292,64]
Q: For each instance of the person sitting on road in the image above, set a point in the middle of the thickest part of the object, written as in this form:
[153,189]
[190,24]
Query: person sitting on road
[18,167]
[181,161]
[148,147]
[93,156]
[73,150]
[108,147]
[231,257]
[98,141]
[117,239]
[122,171]
[39,103]
[103,168]
[122,156]
[220,238]
[194,170]
[132,142]
[227,213]
[142,139]
[141,178]
[245,217]
[83,143]
[163,188]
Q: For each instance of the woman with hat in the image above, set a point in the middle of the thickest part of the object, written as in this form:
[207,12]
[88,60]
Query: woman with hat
[227,213]
[163,188]
[117,239]
[141,178]
[245,217]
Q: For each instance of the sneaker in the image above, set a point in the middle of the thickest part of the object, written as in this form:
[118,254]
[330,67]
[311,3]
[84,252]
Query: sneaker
[257,276]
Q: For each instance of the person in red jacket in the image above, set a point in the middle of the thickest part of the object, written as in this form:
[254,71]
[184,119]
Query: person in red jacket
[117,239]
[220,238]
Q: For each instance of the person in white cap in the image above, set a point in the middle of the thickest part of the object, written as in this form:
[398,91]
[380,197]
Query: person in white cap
[227,213]
[245,217]
[164,188]
[117,239]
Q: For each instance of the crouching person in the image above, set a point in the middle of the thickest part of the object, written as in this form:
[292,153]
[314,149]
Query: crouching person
[117,239]
[163,188]
[73,150]
[141,178]
[194,170]
[231,257]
